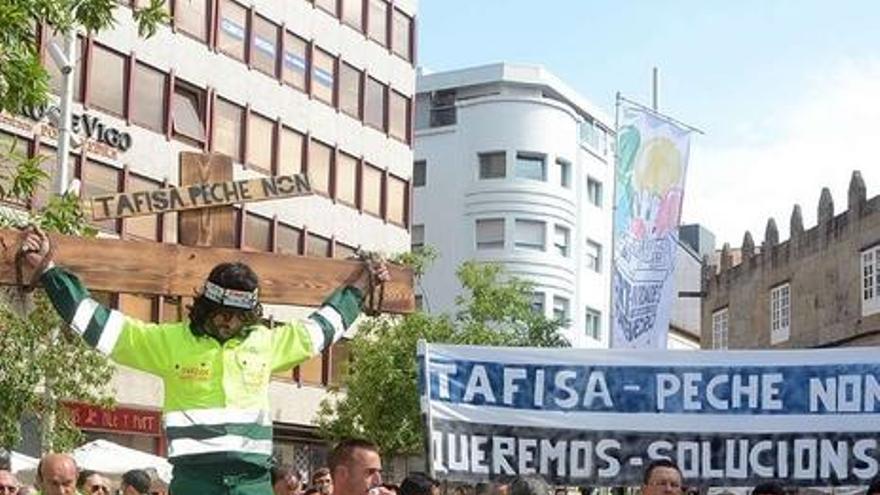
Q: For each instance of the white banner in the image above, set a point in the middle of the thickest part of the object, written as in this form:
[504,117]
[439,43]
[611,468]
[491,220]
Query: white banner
[599,417]
[652,157]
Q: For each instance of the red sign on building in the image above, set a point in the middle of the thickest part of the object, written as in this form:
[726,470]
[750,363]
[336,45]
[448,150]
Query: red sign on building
[120,419]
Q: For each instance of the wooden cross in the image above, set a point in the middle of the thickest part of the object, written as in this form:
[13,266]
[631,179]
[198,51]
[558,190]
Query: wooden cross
[205,239]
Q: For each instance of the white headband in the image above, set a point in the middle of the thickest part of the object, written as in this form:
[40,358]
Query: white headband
[230,297]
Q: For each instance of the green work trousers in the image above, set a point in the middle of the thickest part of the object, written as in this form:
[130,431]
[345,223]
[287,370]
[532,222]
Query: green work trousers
[225,479]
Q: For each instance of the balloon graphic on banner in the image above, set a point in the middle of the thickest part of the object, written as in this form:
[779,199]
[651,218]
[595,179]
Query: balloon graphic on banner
[652,159]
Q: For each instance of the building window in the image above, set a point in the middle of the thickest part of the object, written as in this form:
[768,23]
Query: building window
[561,240]
[353,13]
[99,179]
[780,313]
[492,165]
[420,173]
[529,234]
[443,111]
[227,129]
[289,239]
[232,29]
[320,162]
[148,98]
[55,72]
[720,325]
[191,17]
[290,152]
[594,256]
[187,112]
[537,303]
[378,21]
[398,110]
[258,233]
[260,142]
[593,323]
[594,191]
[564,168]
[323,76]
[594,136]
[420,302]
[374,107]
[317,246]
[147,226]
[417,236]
[329,6]
[295,66]
[396,200]
[560,309]
[346,179]
[371,202]
[401,32]
[265,45]
[490,233]
[107,80]
[871,281]
[350,90]
[529,166]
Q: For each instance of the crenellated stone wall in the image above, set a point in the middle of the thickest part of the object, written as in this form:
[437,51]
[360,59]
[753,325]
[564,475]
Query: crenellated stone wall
[822,266]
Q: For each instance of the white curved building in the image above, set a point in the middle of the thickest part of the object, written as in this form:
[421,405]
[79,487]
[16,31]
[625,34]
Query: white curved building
[513,166]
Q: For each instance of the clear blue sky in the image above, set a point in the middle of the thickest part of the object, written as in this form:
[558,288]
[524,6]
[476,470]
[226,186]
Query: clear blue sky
[787,91]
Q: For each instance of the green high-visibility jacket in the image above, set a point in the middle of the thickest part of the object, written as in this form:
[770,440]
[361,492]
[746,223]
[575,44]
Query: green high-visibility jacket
[216,405]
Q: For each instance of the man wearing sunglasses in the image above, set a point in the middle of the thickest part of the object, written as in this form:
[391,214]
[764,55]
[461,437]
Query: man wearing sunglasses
[216,367]
[90,482]
[9,484]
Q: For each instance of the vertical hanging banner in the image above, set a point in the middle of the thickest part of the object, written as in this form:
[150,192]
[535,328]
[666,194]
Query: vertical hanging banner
[652,157]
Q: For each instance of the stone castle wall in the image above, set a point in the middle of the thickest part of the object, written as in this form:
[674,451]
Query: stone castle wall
[822,266]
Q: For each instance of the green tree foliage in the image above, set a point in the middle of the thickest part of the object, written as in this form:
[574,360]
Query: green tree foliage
[23,80]
[379,399]
[36,359]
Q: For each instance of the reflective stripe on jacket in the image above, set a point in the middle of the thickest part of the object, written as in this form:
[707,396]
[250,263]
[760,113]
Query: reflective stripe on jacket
[216,395]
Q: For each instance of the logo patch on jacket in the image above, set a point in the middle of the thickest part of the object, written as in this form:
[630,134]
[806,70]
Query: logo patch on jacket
[193,373]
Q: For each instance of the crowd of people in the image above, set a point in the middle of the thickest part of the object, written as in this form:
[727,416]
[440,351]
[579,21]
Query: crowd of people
[58,474]
[355,468]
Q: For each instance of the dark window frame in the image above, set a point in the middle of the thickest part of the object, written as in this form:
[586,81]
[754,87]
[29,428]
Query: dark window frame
[359,115]
[201,96]
[407,114]
[306,73]
[209,38]
[410,38]
[384,105]
[245,41]
[278,44]
[133,101]
[273,145]
[243,122]
[126,79]
[420,179]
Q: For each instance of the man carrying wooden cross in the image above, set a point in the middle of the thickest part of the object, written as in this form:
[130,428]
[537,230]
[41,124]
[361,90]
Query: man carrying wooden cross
[216,367]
